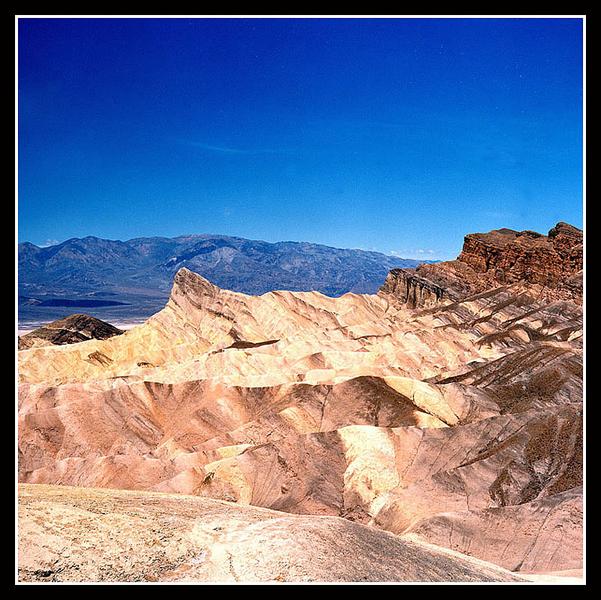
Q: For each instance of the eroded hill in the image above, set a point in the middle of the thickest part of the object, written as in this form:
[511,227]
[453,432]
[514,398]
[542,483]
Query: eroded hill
[72,330]
[445,409]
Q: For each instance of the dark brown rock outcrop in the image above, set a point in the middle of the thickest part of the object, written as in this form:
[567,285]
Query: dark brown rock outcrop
[512,256]
[488,260]
[71,330]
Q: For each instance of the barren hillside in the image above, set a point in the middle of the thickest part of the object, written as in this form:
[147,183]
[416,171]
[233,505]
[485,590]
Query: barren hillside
[446,409]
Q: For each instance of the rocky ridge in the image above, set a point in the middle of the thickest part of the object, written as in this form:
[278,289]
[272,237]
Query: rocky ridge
[551,264]
[451,417]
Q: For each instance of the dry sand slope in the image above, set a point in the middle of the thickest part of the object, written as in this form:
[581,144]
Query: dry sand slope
[448,414]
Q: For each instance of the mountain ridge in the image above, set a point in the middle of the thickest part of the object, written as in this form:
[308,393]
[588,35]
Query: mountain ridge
[139,271]
[441,413]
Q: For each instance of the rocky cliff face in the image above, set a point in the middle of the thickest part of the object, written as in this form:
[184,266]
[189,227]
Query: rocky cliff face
[512,256]
[553,262]
[411,289]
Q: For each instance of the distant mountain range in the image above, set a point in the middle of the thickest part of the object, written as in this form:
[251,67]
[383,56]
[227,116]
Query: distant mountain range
[116,279]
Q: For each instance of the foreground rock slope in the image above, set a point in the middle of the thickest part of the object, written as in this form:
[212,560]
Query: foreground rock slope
[169,538]
[446,409]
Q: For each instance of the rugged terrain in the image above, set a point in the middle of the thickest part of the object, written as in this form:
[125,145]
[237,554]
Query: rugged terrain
[446,409]
[75,534]
[552,263]
[73,329]
[117,280]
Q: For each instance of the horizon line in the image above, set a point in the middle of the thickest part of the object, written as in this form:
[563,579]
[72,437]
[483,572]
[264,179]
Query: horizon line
[424,255]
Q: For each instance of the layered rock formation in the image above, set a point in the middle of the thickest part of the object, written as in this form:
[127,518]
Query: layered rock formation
[410,289]
[447,409]
[519,545]
[73,329]
[551,264]
[526,255]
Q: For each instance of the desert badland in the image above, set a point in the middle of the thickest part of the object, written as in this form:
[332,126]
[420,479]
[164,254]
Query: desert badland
[429,432]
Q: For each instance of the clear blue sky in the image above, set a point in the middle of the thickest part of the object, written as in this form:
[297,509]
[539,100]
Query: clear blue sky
[395,135]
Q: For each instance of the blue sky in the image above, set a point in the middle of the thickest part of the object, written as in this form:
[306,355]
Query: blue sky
[397,135]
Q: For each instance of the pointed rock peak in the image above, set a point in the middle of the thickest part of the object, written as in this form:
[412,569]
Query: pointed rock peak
[502,231]
[188,283]
[565,229]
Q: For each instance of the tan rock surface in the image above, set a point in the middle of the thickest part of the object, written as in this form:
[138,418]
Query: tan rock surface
[542,535]
[80,534]
[455,416]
